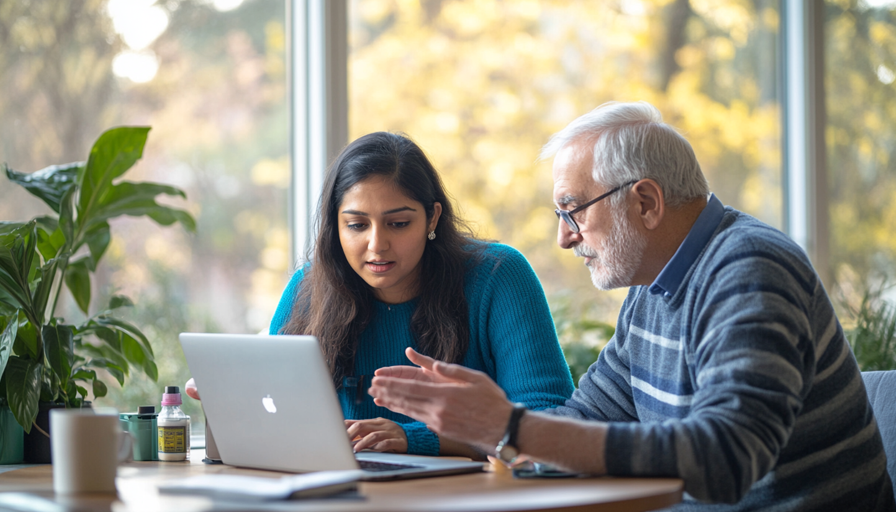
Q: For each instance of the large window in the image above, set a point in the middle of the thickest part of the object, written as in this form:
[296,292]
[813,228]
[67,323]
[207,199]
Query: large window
[209,77]
[482,85]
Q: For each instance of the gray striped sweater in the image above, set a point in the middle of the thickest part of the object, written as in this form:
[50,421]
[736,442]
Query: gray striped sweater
[741,383]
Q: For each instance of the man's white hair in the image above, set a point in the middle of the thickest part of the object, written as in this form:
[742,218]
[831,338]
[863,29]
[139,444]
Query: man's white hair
[631,142]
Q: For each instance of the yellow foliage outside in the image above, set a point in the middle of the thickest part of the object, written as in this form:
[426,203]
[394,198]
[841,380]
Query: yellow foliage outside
[482,85]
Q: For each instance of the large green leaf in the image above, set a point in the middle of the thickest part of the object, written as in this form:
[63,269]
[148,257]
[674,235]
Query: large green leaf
[77,278]
[111,352]
[58,343]
[99,389]
[72,391]
[113,369]
[26,341]
[132,350]
[122,342]
[45,286]
[151,370]
[47,222]
[7,337]
[49,389]
[136,199]
[50,239]
[67,221]
[6,226]
[6,303]
[120,301]
[138,355]
[167,216]
[98,238]
[113,153]
[110,336]
[16,259]
[23,389]
[83,373]
[49,184]
[127,327]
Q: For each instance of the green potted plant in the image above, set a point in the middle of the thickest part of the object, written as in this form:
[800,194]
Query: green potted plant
[45,361]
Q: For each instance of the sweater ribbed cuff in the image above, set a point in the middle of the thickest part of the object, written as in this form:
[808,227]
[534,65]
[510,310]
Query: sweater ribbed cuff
[640,449]
[618,451]
[421,440]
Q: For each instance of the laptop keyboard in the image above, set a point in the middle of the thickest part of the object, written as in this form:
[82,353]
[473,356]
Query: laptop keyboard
[369,465]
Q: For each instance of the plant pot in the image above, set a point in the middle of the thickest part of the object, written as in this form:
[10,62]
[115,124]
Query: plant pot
[12,438]
[37,445]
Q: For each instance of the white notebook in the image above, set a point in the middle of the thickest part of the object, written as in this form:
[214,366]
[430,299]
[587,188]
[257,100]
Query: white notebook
[254,488]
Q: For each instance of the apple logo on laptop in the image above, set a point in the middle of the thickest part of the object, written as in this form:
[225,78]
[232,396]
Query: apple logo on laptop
[268,403]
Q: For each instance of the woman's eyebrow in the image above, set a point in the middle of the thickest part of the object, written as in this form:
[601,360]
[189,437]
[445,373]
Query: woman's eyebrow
[402,209]
[365,214]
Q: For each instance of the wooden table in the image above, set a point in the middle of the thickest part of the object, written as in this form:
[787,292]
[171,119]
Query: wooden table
[31,488]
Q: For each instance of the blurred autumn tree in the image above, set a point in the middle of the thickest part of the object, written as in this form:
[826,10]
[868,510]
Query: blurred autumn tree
[860,52]
[210,78]
[482,86]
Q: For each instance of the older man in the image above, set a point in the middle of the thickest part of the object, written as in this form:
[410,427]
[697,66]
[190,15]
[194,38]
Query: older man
[728,368]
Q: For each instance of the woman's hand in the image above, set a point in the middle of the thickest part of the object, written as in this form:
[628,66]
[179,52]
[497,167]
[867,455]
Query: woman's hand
[380,435]
[191,389]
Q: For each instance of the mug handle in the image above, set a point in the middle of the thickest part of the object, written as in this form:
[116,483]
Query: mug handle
[125,447]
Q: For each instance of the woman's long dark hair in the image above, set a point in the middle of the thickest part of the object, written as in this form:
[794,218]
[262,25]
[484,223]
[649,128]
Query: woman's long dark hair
[336,305]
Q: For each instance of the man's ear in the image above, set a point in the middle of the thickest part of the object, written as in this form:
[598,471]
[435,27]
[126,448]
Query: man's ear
[650,202]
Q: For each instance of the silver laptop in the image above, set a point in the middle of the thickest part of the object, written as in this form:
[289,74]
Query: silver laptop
[272,405]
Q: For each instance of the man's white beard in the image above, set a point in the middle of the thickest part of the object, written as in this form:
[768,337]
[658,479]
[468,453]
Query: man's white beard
[615,264]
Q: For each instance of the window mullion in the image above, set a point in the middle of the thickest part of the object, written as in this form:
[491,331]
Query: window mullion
[803,147]
[318,92]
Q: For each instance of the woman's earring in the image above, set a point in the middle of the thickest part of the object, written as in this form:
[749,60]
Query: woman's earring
[431,235]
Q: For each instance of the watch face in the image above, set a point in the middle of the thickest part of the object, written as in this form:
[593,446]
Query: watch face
[508,453]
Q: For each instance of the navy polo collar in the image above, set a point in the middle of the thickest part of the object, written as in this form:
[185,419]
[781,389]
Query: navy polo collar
[701,232]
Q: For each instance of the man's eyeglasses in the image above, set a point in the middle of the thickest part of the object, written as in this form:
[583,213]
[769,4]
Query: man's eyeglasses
[566,215]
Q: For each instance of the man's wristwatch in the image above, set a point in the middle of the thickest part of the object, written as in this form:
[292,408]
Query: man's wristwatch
[507,450]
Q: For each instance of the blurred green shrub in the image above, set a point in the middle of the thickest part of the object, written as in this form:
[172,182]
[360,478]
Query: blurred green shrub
[582,337]
[873,336]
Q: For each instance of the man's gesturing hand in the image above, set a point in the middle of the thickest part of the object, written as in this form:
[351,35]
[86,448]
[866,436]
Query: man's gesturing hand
[422,372]
[453,401]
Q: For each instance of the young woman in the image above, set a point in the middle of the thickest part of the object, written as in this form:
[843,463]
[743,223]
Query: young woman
[393,268]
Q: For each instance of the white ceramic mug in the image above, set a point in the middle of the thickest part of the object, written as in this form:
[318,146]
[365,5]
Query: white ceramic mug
[87,446]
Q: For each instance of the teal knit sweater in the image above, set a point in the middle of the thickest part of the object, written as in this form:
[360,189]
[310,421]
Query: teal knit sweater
[512,339]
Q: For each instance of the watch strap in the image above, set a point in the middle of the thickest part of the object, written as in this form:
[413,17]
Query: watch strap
[513,425]
[511,435]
